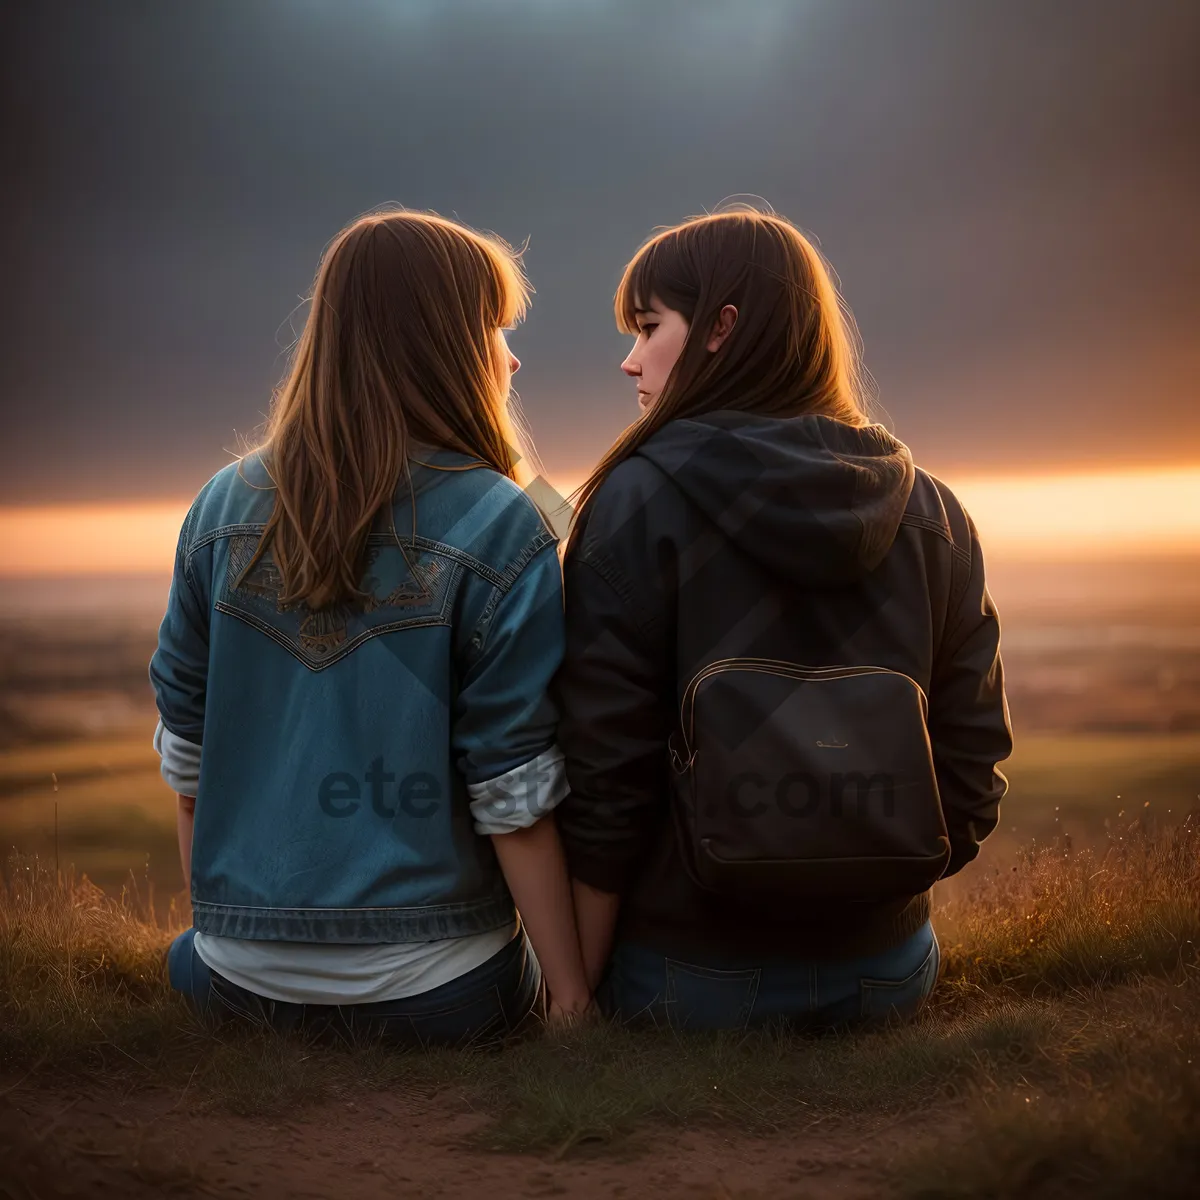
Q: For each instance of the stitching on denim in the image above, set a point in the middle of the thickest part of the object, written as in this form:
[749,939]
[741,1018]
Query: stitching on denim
[532,548]
[223,531]
[480,635]
[185,538]
[715,974]
[462,556]
[459,907]
[882,987]
[320,629]
[286,642]
[417,542]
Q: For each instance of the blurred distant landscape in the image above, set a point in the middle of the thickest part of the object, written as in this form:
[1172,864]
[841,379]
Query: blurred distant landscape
[1103,674]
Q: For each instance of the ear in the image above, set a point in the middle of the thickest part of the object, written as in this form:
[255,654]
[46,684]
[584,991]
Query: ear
[726,319]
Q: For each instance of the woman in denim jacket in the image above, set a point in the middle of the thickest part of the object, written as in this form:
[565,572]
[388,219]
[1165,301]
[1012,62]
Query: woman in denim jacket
[352,672]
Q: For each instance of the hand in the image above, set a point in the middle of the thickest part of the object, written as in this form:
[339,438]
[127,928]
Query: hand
[562,1015]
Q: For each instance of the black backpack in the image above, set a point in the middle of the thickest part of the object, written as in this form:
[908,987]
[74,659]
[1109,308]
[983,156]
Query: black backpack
[794,782]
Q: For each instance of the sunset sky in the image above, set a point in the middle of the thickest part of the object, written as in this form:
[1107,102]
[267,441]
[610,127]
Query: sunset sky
[1006,188]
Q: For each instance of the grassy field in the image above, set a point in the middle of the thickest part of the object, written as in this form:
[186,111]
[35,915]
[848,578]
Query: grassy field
[99,804]
[1056,1057]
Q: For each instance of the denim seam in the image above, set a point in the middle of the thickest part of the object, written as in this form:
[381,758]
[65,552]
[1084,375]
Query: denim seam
[354,926]
[534,546]
[883,987]
[225,531]
[754,974]
[480,635]
[893,984]
[463,906]
[416,542]
[185,539]
[353,644]
[467,559]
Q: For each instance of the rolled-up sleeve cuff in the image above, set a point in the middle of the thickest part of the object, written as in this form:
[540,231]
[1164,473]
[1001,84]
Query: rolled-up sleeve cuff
[180,761]
[520,797]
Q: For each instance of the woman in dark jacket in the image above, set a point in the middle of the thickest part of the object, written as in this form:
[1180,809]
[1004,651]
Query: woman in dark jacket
[782,688]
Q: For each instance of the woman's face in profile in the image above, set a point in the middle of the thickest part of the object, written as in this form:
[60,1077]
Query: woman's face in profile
[661,334]
[509,363]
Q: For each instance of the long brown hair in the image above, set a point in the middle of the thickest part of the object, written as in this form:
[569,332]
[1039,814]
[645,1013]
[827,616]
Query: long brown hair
[401,346]
[792,350]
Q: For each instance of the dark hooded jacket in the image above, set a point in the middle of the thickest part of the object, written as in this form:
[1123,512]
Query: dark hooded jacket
[803,539]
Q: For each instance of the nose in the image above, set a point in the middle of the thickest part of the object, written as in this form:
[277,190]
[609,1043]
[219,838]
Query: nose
[514,363]
[632,369]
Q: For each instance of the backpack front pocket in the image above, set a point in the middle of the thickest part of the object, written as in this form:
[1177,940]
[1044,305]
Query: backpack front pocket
[798,782]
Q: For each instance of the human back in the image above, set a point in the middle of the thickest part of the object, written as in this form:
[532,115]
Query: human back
[345,726]
[365,615]
[786,577]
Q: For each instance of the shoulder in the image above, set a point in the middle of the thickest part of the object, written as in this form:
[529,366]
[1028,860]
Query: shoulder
[934,506]
[634,503]
[483,514]
[239,495]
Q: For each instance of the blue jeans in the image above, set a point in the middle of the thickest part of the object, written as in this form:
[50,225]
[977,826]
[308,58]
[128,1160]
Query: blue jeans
[644,985]
[483,1005]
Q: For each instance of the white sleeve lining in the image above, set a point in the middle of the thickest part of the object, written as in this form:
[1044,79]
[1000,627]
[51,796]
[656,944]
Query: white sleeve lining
[520,797]
[515,800]
[180,761]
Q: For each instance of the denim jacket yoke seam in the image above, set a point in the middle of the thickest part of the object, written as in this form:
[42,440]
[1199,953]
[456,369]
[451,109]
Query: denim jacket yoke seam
[501,589]
[503,579]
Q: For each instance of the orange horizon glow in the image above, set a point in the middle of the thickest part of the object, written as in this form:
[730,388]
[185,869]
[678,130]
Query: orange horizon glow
[1086,515]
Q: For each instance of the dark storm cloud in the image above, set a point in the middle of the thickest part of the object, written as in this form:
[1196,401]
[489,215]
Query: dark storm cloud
[1006,189]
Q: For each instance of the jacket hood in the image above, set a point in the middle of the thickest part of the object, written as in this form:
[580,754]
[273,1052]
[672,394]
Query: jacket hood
[813,500]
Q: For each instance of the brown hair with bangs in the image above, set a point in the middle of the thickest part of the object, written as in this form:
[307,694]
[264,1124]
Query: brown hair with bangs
[401,346]
[793,349]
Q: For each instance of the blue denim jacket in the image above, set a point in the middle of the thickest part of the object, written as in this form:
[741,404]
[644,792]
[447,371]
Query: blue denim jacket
[341,751]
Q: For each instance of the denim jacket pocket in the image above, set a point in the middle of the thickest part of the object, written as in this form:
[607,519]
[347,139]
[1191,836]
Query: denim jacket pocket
[405,587]
[881,998]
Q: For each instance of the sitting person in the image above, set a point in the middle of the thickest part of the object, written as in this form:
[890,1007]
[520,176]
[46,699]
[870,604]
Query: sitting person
[782,699]
[352,673]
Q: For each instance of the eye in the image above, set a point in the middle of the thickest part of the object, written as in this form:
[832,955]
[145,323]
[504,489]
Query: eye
[646,329]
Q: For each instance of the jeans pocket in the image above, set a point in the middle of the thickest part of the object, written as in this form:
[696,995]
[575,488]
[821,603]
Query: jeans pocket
[708,998]
[884,998]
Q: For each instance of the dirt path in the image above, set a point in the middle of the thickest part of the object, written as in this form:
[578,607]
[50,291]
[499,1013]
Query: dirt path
[57,1145]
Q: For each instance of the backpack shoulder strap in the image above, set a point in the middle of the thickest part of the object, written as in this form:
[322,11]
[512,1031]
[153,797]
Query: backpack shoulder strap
[960,547]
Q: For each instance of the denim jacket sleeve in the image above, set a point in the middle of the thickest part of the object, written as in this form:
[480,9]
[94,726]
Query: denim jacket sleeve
[179,666]
[503,716]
